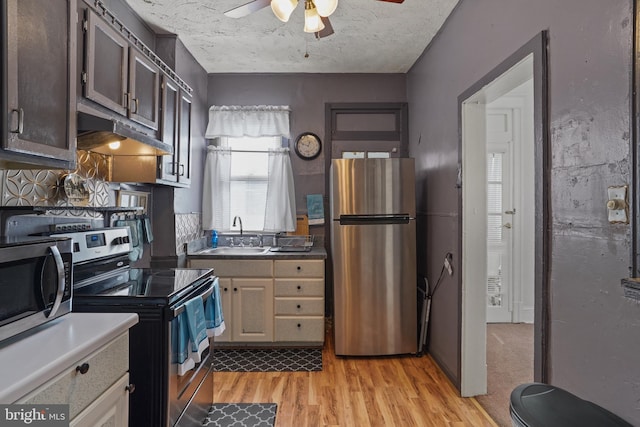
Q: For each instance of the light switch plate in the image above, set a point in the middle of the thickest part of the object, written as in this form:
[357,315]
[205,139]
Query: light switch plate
[617,205]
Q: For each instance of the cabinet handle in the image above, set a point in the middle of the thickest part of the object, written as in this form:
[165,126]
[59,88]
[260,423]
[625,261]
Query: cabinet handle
[299,268]
[20,127]
[235,289]
[298,306]
[181,169]
[130,388]
[83,369]
[126,100]
[226,289]
[136,104]
[299,287]
[299,325]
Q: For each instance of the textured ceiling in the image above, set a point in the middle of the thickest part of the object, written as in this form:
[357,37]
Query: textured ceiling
[370,36]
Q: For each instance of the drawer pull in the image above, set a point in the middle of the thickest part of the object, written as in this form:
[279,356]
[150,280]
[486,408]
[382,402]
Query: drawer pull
[298,306]
[83,369]
[299,268]
[235,289]
[130,388]
[299,325]
[299,287]
[226,289]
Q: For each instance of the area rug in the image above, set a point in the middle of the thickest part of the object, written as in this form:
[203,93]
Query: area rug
[241,415]
[268,360]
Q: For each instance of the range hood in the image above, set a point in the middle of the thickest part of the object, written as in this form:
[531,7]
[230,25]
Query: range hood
[100,135]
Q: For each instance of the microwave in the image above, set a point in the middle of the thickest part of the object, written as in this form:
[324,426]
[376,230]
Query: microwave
[35,282]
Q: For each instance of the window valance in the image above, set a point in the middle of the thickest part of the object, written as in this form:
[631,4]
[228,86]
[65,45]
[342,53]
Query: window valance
[254,121]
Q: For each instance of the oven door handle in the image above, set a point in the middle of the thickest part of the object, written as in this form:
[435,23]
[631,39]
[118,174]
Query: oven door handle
[61,282]
[204,295]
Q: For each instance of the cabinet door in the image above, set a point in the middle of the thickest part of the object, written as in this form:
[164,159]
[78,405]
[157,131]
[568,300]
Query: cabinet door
[107,59]
[225,294]
[144,84]
[252,311]
[168,169]
[39,40]
[184,140]
[111,409]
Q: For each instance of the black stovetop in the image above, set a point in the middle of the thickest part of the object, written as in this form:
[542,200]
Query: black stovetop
[141,283]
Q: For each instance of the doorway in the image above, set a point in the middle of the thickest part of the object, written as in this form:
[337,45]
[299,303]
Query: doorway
[504,241]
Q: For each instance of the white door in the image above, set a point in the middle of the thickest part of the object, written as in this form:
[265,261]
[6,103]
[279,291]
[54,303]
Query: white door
[500,223]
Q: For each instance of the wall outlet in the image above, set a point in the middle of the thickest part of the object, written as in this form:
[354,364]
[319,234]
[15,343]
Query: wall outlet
[447,264]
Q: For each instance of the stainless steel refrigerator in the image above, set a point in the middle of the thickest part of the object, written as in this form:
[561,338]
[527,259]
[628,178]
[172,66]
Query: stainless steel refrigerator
[373,242]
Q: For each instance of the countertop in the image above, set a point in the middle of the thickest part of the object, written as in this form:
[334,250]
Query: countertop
[35,357]
[198,249]
[314,253]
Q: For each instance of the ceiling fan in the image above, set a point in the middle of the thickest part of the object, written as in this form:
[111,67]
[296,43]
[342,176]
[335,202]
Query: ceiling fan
[316,12]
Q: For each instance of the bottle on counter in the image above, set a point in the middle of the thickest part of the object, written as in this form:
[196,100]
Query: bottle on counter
[214,239]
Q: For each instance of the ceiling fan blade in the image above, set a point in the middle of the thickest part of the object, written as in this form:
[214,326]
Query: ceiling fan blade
[327,30]
[247,8]
[393,1]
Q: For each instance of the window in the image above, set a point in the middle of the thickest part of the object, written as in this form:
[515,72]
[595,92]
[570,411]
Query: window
[249,177]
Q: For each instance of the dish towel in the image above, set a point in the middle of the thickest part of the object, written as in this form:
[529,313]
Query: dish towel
[197,327]
[213,312]
[181,346]
[135,232]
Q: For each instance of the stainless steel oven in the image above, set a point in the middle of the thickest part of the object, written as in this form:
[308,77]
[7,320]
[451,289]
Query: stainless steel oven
[162,397]
[35,282]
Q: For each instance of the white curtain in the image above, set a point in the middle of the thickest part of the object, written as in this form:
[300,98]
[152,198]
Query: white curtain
[216,189]
[255,121]
[280,210]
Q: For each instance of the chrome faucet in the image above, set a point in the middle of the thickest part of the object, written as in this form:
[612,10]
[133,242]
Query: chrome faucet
[240,221]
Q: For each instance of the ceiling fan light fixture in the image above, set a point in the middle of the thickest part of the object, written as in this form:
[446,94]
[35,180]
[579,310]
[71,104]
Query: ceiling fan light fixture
[326,7]
[283,8]
[312,21]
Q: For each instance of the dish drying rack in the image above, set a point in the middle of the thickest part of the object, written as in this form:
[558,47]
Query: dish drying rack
[294,243]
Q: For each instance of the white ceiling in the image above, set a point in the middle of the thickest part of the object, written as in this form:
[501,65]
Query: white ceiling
[370,36]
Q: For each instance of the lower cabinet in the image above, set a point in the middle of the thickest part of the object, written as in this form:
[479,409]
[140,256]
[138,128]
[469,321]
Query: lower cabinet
[95,388]
[270,301]
[110,409]
[247,305]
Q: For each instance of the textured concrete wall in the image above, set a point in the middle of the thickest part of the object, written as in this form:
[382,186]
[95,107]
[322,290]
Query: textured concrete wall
[593,337]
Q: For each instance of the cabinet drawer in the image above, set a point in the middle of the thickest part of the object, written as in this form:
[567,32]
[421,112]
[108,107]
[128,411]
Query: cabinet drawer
[299,288]
[299,268]
[105,367]
[299,306]
[299,328]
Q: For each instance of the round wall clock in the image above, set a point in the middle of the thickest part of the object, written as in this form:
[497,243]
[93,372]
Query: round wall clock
[308,146]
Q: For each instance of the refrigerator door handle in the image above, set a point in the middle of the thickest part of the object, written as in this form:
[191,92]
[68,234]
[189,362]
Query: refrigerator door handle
[374,219]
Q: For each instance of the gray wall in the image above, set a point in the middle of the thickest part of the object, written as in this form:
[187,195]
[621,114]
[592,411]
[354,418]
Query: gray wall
[594,331]
[306,94]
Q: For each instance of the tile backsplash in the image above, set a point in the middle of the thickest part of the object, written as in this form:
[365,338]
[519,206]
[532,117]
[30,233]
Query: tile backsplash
[32,187]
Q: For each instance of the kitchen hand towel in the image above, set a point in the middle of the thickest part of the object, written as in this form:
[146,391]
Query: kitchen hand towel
[181,347]
[213,312]
[197,327]
[148,234]
[136,237]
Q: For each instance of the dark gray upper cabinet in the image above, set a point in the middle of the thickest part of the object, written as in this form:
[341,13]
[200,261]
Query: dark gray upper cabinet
[175,130]
[117,75]
[184,140]
[38,77]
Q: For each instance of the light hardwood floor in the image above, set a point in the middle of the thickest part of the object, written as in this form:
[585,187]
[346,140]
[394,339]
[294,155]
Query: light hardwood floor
[356,392]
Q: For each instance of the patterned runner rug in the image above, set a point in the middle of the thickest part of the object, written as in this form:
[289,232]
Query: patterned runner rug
[241,415]
[268,360]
